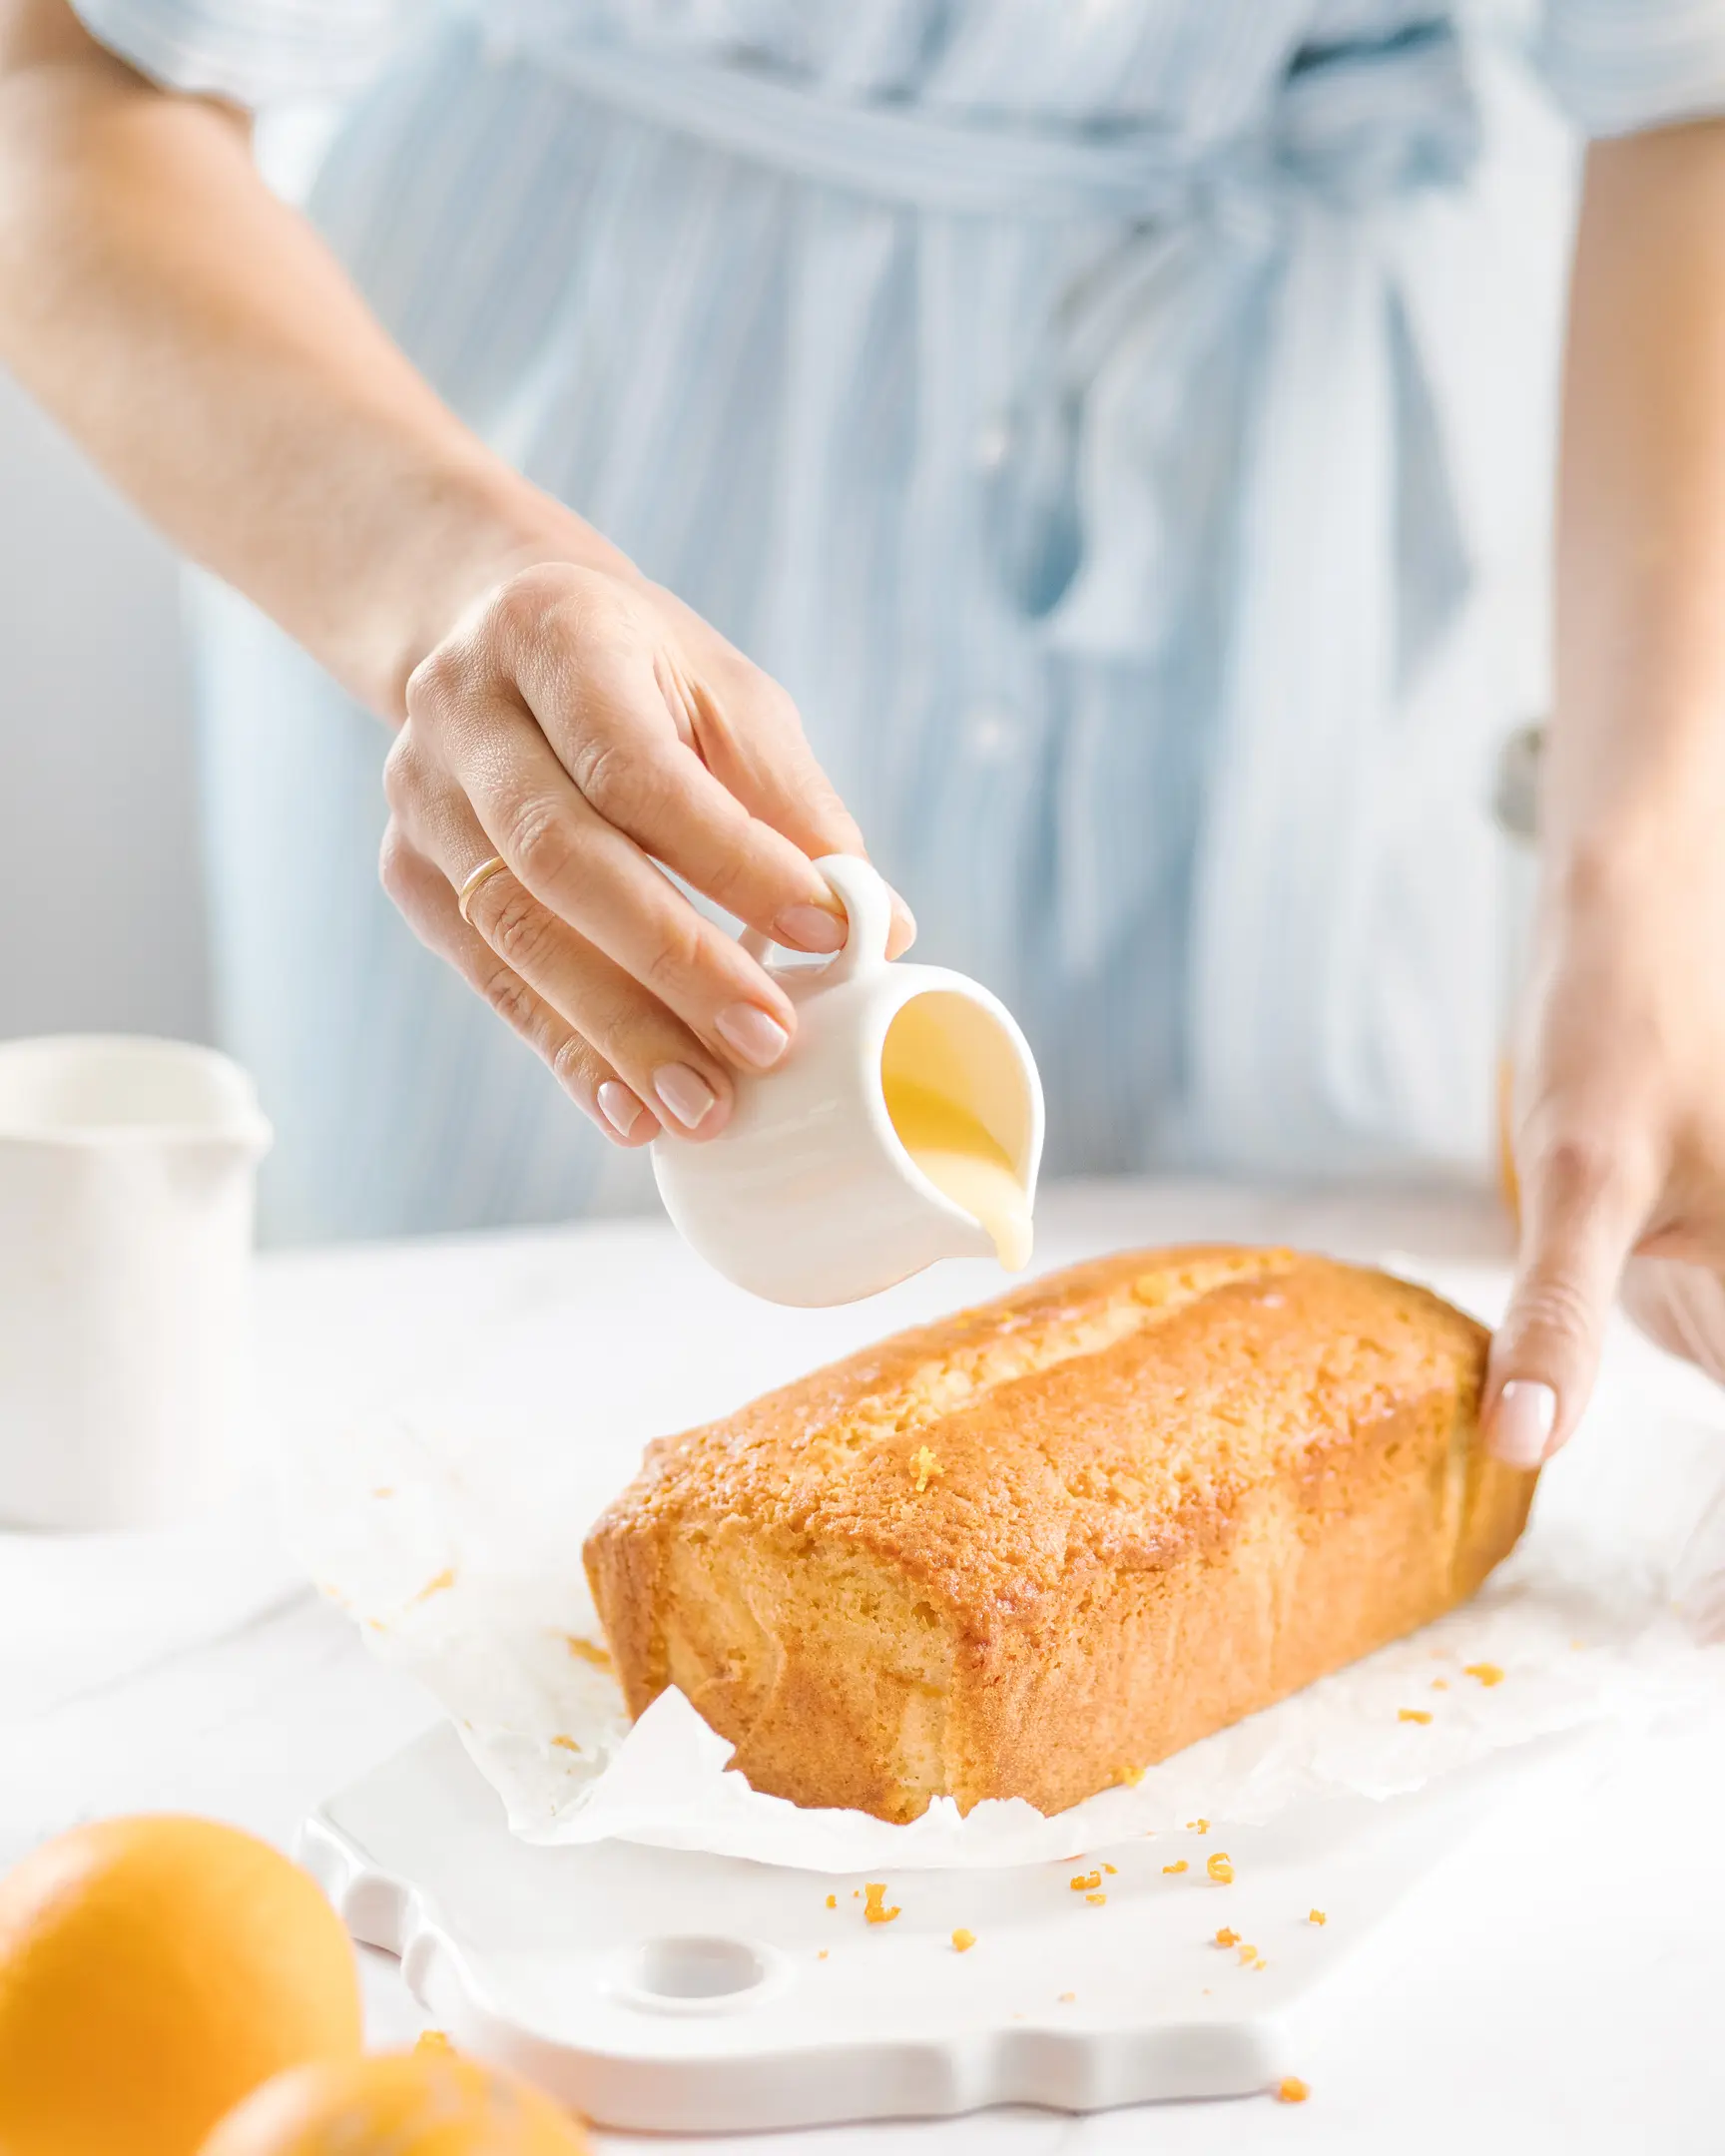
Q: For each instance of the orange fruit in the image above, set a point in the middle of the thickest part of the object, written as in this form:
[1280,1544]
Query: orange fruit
[427,2102]
[152,1971]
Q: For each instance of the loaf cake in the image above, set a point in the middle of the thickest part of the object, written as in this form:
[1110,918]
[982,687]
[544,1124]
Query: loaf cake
[1036,1547]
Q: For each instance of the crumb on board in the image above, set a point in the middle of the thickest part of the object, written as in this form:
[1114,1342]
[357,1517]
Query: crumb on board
[565,1744]
[1227,1937]
[1181,1865]
[434,2040]
[1128,1777]
[1291,2089]
[1247,1954]
[440,1585]
[1113,1870]
[1260,1962]
[1084,1881]
[1414,1714]
[821,1956]
[832,1900]
[1066,1997]
[873,1909]
[1096,1898]
[1316,1917]
[963,1941]
[585,1650]
[1440,1684]
[1220,1869]
[924,1465]
[384,1489]
[1488,1673]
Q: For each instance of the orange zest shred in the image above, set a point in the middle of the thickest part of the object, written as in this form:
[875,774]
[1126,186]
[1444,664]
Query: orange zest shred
[565,1744]
[963,1941]
[873,1897]
[1291,2089]
[1316,1917]
[1227,1937]
[1098,1898]
[440,1585]
[1113,1870]
[434,2040]
[821,1956]
[1488,1673]
[1182,1865]
[1128,1777]
[832,1900]
[1085,1880]
[1412,1714]
[1440,1684]
[1066,1997]
[1220,1869]
[924,1465]
[585,1651]
[1247,1954]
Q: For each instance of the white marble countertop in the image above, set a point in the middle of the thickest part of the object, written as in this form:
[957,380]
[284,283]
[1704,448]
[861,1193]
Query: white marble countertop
[1559,1986]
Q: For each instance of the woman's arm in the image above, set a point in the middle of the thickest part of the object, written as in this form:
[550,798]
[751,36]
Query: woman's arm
[199,341]
[196,336]
[1621,1137]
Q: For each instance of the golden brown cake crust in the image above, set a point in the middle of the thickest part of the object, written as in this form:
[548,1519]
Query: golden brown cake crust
[1052,1540]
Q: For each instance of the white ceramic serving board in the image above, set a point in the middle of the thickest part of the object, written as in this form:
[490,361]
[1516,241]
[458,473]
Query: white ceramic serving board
[665,1991]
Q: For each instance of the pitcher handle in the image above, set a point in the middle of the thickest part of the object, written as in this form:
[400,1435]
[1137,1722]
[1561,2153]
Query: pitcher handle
[867,904]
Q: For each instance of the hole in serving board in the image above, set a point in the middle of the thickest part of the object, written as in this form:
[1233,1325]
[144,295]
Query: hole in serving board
[688,1969]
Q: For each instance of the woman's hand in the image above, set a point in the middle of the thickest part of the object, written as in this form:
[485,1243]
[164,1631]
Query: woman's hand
[585,726]
[1619,1142]
[1620,1131]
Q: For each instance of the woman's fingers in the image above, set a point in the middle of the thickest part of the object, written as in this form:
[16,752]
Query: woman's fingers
[595,669]
[424,896]
[1682,1307]
[748,733]
[682,744]
[678,1076]
[585,873]
[1583,1204]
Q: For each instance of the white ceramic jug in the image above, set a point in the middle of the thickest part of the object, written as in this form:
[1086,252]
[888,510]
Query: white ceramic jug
[808,1195]
[127,1169]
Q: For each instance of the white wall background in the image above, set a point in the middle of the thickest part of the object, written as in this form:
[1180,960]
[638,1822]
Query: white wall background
[100,909]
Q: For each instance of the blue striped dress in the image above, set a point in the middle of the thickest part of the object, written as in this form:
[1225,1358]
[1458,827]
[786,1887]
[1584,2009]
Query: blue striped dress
[1125,425]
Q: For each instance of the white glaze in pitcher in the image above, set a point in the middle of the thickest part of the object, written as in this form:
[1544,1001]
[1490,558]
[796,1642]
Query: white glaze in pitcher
[808,1197]
[127,1169]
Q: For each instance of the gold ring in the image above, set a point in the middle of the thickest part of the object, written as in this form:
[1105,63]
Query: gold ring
[482,874]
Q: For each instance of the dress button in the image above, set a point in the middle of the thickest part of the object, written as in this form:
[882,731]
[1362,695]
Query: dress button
[993,444]
[991,731]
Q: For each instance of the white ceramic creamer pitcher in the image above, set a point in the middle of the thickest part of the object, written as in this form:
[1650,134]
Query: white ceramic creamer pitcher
[811,1195]
[127,1169]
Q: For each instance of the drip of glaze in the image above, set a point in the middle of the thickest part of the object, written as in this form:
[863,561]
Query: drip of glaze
[964,1162]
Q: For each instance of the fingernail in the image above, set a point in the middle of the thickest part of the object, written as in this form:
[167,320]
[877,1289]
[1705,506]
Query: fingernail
[685,1092]
[1522,1423]
[757,1036]
[620,1107]
[810,928]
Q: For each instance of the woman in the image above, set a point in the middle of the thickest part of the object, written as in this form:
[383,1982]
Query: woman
[1119,429]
